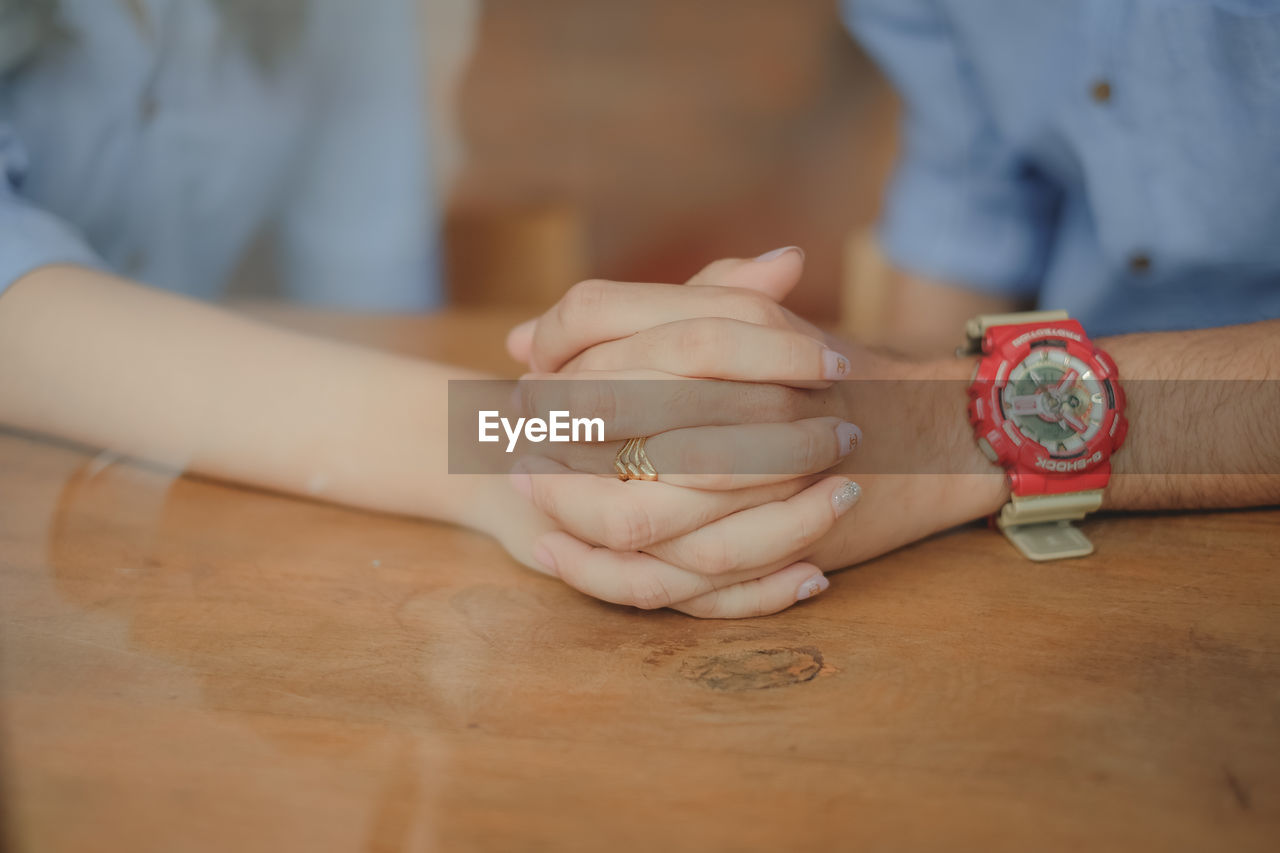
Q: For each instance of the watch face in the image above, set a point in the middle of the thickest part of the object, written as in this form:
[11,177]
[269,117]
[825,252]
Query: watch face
[1055,400]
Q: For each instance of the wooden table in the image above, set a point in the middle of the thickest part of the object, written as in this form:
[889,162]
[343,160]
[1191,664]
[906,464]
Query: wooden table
[189,666]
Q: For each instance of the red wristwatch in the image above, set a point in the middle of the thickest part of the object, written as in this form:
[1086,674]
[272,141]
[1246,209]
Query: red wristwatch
[1047,406]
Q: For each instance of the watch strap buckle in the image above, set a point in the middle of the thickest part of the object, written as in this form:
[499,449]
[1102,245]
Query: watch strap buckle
[1040,526]
[1048,540]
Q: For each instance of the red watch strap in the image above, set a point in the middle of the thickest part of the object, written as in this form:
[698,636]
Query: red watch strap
[1024,483]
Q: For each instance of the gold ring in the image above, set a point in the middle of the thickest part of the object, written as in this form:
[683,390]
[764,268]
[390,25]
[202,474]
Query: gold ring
[632,463]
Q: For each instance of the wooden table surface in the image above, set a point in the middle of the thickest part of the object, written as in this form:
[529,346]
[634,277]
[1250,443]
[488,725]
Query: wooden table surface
[189,666]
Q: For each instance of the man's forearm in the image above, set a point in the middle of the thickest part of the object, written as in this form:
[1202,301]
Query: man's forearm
[1204,418]
[1204,405]
[1204,421]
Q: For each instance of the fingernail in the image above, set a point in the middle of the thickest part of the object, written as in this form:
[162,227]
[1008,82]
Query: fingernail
[834,365]
[812,587]
[522,483]
[849,437]
[542,554]
[845,497]
[777,253]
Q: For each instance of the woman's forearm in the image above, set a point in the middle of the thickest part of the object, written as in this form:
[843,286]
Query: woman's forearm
[98,360]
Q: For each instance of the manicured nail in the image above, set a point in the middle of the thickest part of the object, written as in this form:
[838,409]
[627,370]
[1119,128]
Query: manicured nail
[845,497]
[542,554]
[777,253]
[812,587]
[849,437]
[522,483]
[834,365]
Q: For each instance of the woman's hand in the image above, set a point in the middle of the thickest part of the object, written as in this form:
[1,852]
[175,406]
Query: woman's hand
[734,295]
[704,542]
[720,554]
[761,576]
[700,549]
[721,539]
[718,458]
[608,356]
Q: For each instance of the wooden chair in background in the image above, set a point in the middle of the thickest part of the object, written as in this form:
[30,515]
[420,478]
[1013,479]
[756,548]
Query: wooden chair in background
[865,288]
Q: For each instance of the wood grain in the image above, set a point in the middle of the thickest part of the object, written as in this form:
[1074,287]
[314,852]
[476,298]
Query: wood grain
[190,666]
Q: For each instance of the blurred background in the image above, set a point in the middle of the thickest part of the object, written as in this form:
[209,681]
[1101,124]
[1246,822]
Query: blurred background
[638,141]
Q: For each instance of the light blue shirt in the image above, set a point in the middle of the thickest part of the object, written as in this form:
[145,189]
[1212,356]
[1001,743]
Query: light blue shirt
[1116,158]
[161,152]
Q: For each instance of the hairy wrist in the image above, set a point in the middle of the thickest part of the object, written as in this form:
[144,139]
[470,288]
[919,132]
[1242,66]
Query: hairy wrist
[1202,430]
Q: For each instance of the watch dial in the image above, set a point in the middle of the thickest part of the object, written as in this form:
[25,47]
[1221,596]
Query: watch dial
[1054,399]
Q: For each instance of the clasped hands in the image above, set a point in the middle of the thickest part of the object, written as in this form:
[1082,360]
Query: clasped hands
[764,479]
